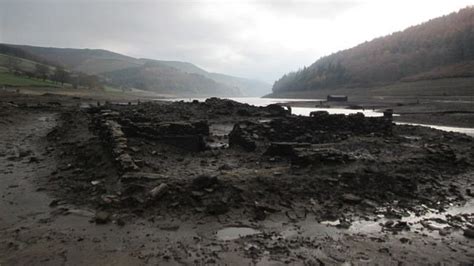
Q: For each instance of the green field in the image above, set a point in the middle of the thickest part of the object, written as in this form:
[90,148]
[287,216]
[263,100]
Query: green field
[8,79]
[24,64]
[108,88]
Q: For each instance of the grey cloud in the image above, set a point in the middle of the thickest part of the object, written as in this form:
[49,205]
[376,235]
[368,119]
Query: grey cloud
[309,9]
[171,30]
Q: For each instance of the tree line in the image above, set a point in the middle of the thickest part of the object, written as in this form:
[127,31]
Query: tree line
[439,42]
[57,74]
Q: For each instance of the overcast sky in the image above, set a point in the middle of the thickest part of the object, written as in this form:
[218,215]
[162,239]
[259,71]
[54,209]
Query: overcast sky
[248,38]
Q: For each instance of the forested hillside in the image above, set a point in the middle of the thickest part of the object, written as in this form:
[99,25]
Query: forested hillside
[442,47]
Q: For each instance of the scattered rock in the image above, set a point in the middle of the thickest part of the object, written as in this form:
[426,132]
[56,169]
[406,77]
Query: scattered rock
[54,203]
[469,233]
[444,232]
[404,240]
[120,222]
[137,176]
[204,181]
[351,198]
[158,191]
[226,167]
[102,217]
[240,138]
[284,148]
[217,208]
[169,227]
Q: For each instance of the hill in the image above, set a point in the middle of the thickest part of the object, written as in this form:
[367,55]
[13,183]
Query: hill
[248,87]
[23,64]
[440,48]
[114,66]
[89,61]
[22,69]
[9,50]
[157,77]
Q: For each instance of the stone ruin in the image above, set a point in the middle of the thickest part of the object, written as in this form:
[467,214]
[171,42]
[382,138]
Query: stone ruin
[301,138]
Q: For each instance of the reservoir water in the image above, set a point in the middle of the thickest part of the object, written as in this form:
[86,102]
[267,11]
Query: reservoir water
[249,100]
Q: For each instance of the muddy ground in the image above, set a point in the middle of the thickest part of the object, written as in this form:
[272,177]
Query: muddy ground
[226,183]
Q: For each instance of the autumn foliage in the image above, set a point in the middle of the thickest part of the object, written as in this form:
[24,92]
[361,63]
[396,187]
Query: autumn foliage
[441,47]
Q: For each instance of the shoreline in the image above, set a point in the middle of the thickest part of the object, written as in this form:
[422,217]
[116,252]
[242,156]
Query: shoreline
[454,111]
[430,112]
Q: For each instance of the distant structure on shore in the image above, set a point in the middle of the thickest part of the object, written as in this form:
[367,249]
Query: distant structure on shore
[388,113]
[337,98]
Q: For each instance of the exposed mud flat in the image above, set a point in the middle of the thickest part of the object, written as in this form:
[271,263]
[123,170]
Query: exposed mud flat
[223,182]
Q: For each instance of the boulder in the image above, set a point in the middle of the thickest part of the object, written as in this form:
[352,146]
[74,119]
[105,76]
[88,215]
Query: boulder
[277,110]
[158,191]
[351,198]
[469,233]
[204,181]
[102,217]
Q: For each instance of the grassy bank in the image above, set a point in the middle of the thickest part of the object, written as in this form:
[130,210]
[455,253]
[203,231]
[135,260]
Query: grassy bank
[8,79]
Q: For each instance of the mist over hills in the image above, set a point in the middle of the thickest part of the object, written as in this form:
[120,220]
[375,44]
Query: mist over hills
[440,48]
[170,77]
[248,87]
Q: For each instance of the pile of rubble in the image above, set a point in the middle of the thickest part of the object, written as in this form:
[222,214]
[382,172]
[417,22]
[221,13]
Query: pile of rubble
[308,154]
[303,139]
[111,133]
[183,134]
[275,162]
